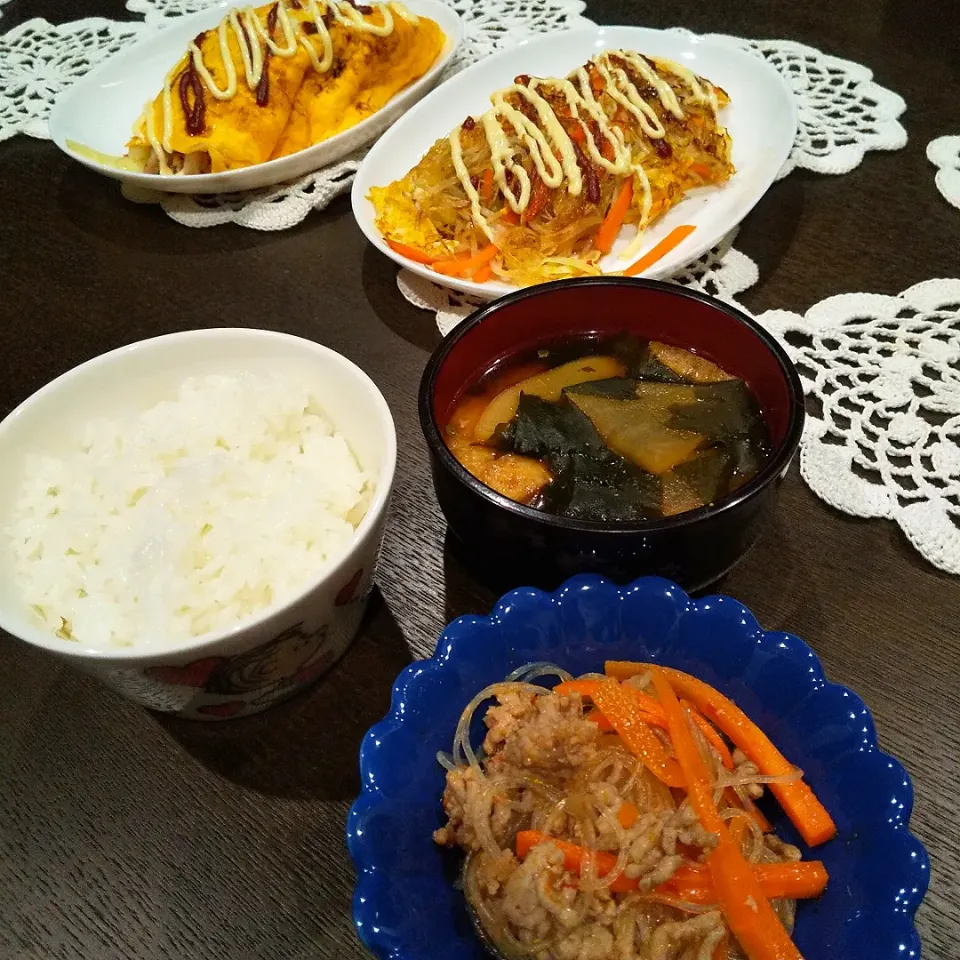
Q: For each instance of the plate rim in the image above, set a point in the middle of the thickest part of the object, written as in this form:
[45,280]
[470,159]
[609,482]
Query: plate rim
[225,180]
[492,290]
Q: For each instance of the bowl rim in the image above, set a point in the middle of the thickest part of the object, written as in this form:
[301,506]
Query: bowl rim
[27,633]
[779,459]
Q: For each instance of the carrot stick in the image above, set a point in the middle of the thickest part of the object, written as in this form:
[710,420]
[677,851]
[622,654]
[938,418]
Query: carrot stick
[576,858]
[710,734]
[627,814]
[657,252]
[753,811]
[744,905]
[802,880]
[797,799]
[798,881]
[486,185]
[614,219]
[411,253]
[587,688]
[799,802]
[460,266]
[627,716]
[539,196]
[483,273]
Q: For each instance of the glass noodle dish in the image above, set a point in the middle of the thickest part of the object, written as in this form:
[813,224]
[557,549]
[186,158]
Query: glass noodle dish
[615,817]
[613,429]
[538,187]
[273,80]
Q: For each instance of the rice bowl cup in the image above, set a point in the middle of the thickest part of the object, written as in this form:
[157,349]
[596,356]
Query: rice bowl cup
[406,905]
[276,652]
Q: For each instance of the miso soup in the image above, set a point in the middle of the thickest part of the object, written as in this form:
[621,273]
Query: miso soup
[612,429]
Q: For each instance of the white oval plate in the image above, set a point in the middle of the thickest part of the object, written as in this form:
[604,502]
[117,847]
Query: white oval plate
[100,109]
[762,120]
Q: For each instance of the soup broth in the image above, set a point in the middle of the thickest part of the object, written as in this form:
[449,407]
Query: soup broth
[606,430]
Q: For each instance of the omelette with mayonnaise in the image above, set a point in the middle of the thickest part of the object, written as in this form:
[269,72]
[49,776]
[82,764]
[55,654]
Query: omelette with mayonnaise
[272,80]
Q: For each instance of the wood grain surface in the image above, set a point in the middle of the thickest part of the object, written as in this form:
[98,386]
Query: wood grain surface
[127,835]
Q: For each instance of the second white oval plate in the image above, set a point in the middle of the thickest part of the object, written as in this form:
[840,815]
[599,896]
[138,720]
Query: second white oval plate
[100,109]
[761,118]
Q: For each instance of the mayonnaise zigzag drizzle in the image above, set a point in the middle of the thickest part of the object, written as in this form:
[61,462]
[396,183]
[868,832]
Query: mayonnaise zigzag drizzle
[256,45]
[549,142]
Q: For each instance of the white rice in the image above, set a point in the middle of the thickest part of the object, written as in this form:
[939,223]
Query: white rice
[188,517]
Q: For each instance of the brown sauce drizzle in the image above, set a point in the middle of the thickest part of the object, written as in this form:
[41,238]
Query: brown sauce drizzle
[263,87]
[663,148]
[361,8]
[469,123]
[194,115]
[309,28]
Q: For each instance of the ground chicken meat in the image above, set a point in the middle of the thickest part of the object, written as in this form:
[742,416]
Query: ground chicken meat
[542,733]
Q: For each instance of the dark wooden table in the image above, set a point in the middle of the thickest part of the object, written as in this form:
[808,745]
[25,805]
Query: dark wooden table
[124,834]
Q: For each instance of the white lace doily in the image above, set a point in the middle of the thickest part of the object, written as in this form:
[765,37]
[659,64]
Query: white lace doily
[722,272]
[883,439]
[40,60]
[944,153]
[843,113]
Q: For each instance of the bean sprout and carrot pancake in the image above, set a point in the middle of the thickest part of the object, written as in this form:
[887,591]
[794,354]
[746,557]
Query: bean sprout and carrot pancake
[539,186]
[615,818]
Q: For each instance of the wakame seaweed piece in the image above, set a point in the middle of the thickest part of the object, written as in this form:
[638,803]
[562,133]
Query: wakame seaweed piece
[590,482]
[642,364]
[548,431]
[748,453]
[708,474]
[718,411]
[608,488]
[628,348]
[618,388]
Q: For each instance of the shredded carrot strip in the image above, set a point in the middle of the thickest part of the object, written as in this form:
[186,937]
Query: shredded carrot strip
[722,950]
[606,149]
[483,273]
[460,266]
[700,169]
[744,905]
[486,186]
[539,195]
[614,219]
[508,216]
[411,253]
[673,239]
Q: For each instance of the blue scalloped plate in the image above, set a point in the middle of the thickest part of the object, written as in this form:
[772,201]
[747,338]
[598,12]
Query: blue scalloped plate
[405,906]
